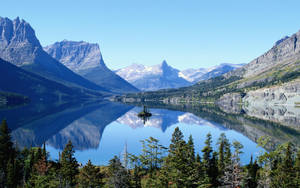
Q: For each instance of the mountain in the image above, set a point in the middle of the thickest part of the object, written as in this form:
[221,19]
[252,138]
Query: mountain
[149,78]
[37,88]
[86,60]
[163,76]
[196,75]
[279,67]
[20,46]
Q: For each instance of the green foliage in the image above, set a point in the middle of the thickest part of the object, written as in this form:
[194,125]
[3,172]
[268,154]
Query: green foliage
[69,165]
[155,167]
[118,175]
[90,176]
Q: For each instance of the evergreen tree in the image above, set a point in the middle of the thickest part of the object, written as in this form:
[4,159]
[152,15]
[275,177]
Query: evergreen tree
[207,151]
[44,152]
[137,171]
[283,173]
[191,151]
[213,170]
[90,176]
[202,179]
[176,163]
[118,175]
[251,175]
[69,165]
[224,154]
[233,172]
[210,161]
[6,146]
[7,153]
[297,169]
[10,181]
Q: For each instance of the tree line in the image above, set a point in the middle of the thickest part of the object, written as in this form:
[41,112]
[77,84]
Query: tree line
[178,165]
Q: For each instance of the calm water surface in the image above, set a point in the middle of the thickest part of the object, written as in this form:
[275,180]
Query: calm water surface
[100,131]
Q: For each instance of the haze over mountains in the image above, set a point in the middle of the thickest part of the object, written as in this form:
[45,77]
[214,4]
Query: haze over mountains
[163,76]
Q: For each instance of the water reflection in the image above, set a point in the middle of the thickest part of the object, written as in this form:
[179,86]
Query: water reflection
[99,130]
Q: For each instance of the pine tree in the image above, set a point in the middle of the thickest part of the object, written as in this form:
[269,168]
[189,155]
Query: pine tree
[137,171]
[224,154]
[69,165]
[7,153]
[176,163]
[251,175]
[283,172]
[118,175]
[192,176]
[44,152]
[297,169]
[213,169]
[202,179]
[209,161]
[10,177]
[6,146]
[233,172]
[90,176]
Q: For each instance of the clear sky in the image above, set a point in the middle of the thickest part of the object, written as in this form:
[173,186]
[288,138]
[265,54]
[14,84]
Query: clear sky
[187,33]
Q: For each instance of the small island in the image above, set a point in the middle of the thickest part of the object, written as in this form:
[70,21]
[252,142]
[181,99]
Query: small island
[145,113]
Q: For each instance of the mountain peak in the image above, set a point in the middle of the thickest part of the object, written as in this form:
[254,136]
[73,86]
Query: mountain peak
[17,36]
[164,63]
[86,60]
[77,55]
[281,40]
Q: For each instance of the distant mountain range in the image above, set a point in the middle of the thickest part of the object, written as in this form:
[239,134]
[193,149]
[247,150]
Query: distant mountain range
[270,79]
[196,75]
[86,60]
[163,76]
[152,77]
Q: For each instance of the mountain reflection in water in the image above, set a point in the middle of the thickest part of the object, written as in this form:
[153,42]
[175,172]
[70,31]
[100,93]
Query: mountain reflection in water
[99,130]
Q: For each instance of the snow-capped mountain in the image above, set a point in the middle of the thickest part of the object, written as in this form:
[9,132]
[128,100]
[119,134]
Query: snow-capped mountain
[163,76]
[196,75]
[149,78]
[86,60]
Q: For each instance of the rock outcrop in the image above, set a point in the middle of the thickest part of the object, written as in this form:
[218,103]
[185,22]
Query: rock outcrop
[277,103]
[86,60]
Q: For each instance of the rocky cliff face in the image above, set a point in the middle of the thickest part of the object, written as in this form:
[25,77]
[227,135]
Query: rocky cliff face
[230,103]
[278,103]
[150,78]
[20,46]
[17,37]
[77,56]
[285,52]
[86,60]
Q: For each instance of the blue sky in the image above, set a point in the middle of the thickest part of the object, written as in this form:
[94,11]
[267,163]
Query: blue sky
[187,33]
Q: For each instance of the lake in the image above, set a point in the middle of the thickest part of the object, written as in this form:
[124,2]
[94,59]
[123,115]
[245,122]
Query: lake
[100,130]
